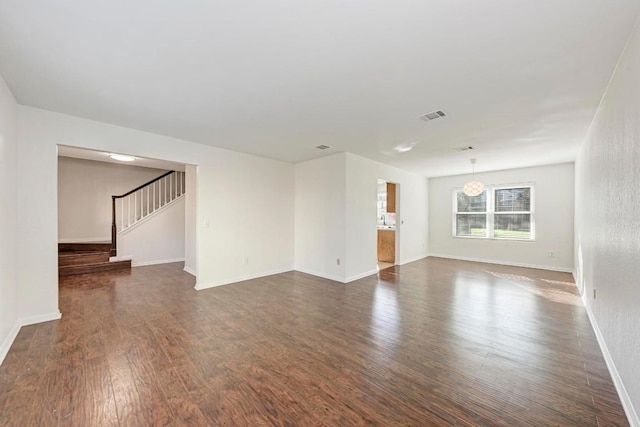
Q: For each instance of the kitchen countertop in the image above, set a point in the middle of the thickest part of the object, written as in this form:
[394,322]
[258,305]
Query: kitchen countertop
[387,227]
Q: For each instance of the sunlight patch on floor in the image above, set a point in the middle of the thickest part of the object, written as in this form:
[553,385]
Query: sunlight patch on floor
[552,290]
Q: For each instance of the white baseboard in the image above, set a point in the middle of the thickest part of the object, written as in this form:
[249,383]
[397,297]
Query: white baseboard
[513,264]
[319,274]
[39,318]
[8,341]
[237,279]
[414,259]
[190,271]
[356,276]
[87,240]
[632,415]
[162,261]
[361,275]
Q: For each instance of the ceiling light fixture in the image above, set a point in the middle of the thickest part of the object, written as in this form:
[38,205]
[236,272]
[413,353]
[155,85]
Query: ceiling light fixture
[403,148]
[121,157]
[473,187]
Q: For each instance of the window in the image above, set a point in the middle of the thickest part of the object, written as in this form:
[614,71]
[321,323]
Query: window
[500,212]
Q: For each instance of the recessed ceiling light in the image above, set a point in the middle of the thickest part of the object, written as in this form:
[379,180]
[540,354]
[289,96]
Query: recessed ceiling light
[403,148]
[322,147]
[121,157]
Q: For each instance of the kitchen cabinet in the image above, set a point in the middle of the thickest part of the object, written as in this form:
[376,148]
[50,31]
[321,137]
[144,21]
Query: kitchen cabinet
[387,246]
[391,197]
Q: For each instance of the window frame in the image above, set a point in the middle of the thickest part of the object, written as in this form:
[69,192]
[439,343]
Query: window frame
[490,212]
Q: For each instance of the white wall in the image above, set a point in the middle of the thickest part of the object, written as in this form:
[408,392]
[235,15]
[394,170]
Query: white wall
[9,314]
[336,216]
[246,200]
[85,188]
[608,226]
[554,196]
[320,216]
[157,239]
[190,219]
[361,222]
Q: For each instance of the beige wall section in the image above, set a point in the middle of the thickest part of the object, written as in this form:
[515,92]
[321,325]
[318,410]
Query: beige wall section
[554,196]
[9,315]
[608,226]
[85,188]
[190,220]
[157,239]
[320,216]
[361,220]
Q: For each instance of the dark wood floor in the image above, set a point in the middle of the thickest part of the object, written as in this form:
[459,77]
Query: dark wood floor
[433,343]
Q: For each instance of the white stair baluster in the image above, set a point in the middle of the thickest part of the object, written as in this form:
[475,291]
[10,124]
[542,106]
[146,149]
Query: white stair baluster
[158,194]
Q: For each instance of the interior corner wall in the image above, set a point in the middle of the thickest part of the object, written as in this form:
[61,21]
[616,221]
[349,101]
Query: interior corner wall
[320,216]
[244,211]
[85,188]
[361,223]
[9,314]
[607,226]
[554,206]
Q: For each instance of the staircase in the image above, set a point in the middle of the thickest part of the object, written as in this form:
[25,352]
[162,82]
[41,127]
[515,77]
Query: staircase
[127,211]
[132,207]
[82,258]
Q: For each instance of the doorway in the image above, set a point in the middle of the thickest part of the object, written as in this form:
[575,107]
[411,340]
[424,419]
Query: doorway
[386,224]
[155,225]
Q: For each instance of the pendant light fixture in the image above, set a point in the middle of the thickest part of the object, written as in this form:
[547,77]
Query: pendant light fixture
[473,188]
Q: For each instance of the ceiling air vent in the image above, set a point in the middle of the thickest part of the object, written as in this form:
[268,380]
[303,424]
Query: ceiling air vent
[465,148]
[322,147]
[432,116]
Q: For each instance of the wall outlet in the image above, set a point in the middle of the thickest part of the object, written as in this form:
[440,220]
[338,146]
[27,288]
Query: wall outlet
[551,254]
[246,260]
[338,261]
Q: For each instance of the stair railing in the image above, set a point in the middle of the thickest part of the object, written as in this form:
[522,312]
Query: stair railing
[142,201]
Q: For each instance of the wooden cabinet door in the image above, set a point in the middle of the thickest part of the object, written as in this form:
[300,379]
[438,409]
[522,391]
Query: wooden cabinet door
[391,197]
[387,246]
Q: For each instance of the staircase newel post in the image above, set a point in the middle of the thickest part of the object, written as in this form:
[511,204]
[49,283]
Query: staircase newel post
[114,231]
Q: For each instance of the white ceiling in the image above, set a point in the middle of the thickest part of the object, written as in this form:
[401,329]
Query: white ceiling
[520,80]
